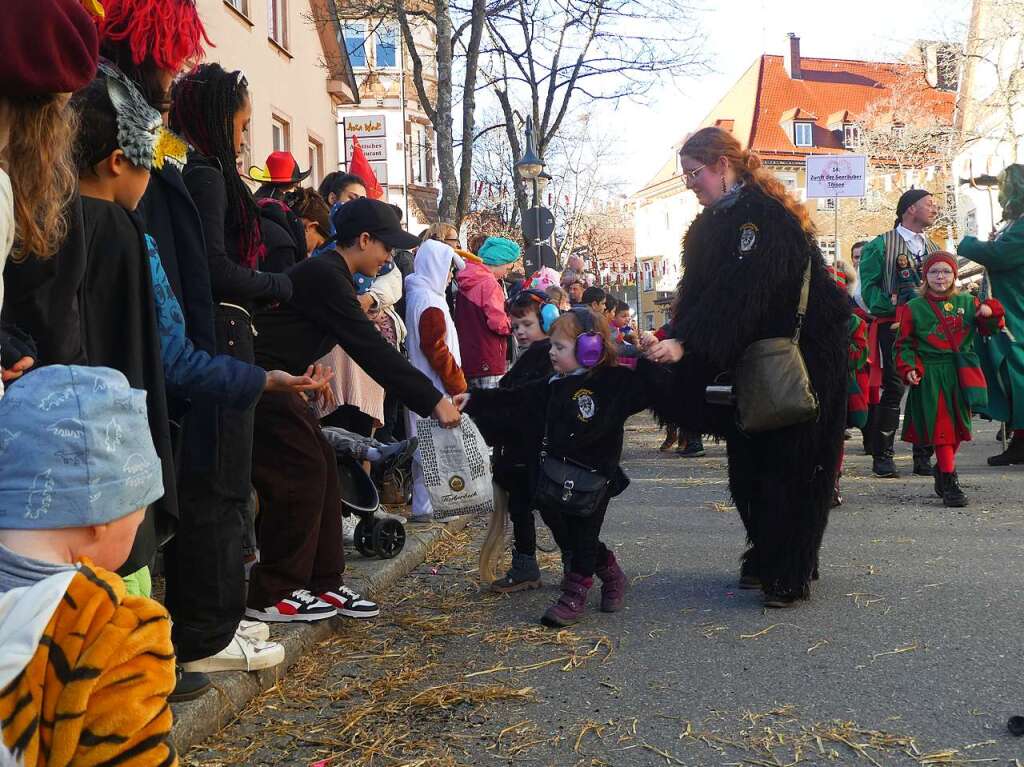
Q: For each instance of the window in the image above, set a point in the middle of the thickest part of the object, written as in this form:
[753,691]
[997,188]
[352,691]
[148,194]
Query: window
[420,156]
[649,321]
[242,6]
[386,37]
[280,133]
[851,135]
[827,246]
[316,163]
[803,134]
[647,277]
[788,180]
[355,42]
[826,203]
[898,130]
[277,21]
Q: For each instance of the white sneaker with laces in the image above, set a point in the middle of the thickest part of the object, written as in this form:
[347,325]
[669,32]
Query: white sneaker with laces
[255,631]
[300,605]
[242,654]
[350,604]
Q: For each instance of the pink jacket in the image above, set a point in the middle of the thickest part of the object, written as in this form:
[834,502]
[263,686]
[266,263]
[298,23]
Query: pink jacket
[481,322]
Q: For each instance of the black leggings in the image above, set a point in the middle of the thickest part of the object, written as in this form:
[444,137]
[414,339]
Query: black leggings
[581,538]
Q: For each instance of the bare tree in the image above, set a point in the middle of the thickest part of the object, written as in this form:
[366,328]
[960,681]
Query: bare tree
[546,54]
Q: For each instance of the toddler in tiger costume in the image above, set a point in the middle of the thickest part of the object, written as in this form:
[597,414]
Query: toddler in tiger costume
[85,669]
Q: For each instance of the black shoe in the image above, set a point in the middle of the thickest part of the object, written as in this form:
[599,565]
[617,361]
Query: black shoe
[952,495]
[779,597]
[694,449]
[922,466]
[939,484]
[1013,454]
[883,466]
[189,686]
[749,578]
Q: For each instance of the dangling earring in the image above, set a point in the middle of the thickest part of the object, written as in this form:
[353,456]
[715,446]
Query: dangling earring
[724,190]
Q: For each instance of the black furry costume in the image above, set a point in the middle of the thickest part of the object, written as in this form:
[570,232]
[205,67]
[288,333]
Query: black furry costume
[744,260]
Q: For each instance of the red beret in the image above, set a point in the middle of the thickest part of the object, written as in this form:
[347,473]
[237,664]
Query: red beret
[50,46]
[936,257]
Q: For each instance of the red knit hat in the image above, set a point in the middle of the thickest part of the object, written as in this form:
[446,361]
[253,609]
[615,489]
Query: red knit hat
[940,255]
[50,46]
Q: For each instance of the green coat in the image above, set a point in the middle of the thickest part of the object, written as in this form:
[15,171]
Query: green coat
[1001,358]
[872,278]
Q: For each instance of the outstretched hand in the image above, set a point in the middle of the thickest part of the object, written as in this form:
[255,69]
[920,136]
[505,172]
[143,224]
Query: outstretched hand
[913,378]
[666,351]
[985,310]
[447,414]
[647,339]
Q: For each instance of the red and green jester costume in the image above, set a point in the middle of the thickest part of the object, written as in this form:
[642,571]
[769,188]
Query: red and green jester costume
[938,410]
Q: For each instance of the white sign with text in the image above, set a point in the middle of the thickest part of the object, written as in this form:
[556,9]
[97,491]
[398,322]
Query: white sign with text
[842,175]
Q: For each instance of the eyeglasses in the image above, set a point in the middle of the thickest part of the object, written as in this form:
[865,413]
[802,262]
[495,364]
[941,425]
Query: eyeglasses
[454,241]
[689,176]
[940,272]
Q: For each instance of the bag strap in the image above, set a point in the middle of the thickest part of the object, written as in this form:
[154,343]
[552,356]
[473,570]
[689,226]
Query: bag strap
[801,309]
[946,331]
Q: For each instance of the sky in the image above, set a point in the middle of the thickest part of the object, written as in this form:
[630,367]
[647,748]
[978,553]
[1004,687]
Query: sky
[738,31]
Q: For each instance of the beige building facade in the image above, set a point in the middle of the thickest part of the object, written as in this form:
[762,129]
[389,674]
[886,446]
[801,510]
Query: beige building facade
[298,74]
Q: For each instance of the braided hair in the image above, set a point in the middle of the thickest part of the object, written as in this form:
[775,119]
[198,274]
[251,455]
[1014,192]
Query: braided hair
[203,107]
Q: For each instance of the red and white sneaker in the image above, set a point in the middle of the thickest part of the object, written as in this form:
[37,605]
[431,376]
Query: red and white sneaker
[300,605]
[350,604]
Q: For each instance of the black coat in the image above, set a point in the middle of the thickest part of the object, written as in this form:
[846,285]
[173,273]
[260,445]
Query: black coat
[583,415]
[41,296]
[119,330]
[743,266]
[518,448]
[174,223]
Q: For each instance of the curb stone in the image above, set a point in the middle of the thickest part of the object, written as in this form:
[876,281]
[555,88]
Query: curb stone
[232,691]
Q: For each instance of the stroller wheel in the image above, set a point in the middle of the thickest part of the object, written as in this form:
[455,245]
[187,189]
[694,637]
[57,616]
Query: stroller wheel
[363,538]
[388,538]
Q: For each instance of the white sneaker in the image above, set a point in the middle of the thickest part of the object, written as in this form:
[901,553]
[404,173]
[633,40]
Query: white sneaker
[348,528]
[242,654]
[254,631]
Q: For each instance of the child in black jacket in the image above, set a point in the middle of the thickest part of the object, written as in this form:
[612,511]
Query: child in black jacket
[515,451]
[580,413]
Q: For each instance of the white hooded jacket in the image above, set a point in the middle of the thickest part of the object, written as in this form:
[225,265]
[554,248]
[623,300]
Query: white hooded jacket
[424,289]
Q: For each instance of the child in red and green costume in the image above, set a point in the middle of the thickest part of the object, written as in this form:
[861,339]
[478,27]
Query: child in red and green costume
[845,277]
[935,356]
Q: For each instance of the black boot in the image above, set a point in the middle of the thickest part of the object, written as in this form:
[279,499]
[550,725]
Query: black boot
[952,495]
[923,460]
[939,481]
[1013,454]
[750,577]
[867,433]
[888,421]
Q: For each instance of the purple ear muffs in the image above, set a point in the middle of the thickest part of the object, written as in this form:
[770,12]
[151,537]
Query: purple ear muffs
[589,344]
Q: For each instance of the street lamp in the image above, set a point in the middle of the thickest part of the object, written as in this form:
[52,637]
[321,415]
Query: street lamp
[529,165]
[531,168]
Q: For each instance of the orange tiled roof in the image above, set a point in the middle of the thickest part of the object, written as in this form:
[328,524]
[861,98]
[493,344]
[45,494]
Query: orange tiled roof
[829,88]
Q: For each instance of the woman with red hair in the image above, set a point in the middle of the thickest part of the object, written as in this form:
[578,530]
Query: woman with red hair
[745,257]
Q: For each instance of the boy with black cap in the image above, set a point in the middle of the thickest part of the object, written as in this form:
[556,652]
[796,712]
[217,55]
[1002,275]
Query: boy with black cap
[299,575]
[879,275]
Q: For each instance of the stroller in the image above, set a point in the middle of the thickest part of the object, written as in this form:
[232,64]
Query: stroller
[375,535]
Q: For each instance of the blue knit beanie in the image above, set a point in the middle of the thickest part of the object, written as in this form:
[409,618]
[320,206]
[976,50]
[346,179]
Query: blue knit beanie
[75,450]
[498,251]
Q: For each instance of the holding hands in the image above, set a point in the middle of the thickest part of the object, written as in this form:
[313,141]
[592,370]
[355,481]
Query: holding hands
[461,400]
[984,311]
[667,351]
[913,378]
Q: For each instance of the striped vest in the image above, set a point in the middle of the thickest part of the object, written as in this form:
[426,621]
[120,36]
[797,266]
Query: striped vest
[895,246]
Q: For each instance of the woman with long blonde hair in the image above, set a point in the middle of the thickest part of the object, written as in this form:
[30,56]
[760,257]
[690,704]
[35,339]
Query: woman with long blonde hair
[51,49]
[744,260]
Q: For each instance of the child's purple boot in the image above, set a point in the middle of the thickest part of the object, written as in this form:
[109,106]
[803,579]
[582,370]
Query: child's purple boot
[571,604]
[613,584]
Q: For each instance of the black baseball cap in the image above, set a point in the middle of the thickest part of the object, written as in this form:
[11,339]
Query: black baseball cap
[376,218]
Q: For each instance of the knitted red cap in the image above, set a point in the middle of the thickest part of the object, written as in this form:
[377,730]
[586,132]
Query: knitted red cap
[940,255]
[49,46]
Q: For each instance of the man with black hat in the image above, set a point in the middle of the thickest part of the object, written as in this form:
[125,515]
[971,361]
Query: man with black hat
[299,575]
[915,213]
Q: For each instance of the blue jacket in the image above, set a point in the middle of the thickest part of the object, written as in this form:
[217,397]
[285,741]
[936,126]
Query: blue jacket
[190,372]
